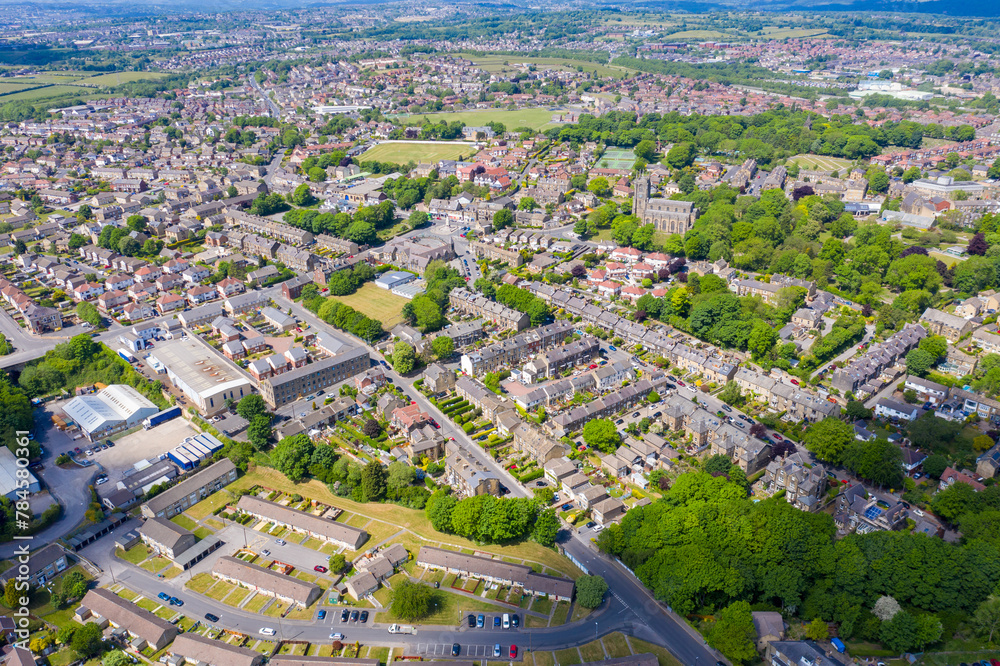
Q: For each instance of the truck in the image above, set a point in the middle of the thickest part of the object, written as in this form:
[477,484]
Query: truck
[839,645]
[401,629]
[160,417]
[127,355]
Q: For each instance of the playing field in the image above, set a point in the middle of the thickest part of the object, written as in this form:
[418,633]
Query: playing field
[820,162]
[377,303]
[401,152]
[617,158]
[533,118]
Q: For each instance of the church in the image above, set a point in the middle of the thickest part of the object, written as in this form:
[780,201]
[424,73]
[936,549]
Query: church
[672,217]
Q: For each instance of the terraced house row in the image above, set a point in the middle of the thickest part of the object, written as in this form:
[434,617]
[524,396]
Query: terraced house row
[507,353]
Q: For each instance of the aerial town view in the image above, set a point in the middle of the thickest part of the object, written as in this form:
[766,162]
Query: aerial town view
[657,333]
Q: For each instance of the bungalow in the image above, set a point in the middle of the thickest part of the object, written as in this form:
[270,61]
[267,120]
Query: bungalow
[892,409]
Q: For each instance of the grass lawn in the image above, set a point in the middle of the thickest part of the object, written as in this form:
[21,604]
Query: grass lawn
[257,603]
[155,565]
[117,78]
[531,622]
[377,303]
[185,522]
[237,596]
[401,152]
[539,659]
[220,590]
[533,118]
[616,645]
[209,504]
[200,582]
[127,594]
[411,519]
[542,605]
[42,93]
[579,612]
[568,656]
[135,554]
[63,657]
[202,532]
[559,616]
[148,604]
[495,63]
[663,656]
[592,651]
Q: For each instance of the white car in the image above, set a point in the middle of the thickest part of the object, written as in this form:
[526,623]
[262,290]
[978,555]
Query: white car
[267,631]
[336,637]
[101,481]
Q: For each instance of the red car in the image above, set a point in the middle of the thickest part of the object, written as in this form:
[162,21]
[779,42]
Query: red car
[681,384]
[320,568]
[795,381]
[513,652]
[592,366]
[777,436]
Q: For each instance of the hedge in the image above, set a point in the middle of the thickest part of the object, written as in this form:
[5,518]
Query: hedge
[532,475]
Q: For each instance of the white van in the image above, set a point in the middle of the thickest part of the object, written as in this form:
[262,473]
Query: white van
[506,621]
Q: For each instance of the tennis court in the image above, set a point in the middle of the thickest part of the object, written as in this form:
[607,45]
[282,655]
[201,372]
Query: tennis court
[617,158]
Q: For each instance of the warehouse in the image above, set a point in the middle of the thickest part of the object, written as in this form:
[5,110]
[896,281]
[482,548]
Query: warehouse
[9,484]
[114,409]
[204,377]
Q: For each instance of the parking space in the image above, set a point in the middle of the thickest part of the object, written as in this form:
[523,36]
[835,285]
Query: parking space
[140,445]
[476,650]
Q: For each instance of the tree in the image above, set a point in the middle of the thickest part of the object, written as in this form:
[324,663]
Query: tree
[13,597]
[87,640]
[733,633]
[680,156]
[652,397]
[302,196]
[373,481]
[982,443]
[599,186]
[403,357]
[502,219]
[828,439]
[74,585]
[601,434]
[259,431]
[371,428]
[717,464]
[954,501]
[978,244]
[645,150]
[817,630]
[899,634]
[400,476]
[411,601]
[115,658]
[590,591]
[935,465]
[856,410]
[731,394]
[250,406]
[919,362]
[546,527]
[885,608]
[935,345]
[492,381]
[443,346]
[987,618]
[128,246]
[88,313]
[527,203]
[337,563]
[20,247]
[292,456]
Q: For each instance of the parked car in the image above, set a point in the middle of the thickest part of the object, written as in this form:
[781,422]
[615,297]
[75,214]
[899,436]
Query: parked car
[211,617]
[344,614]
[513,652]
[265,553]
[364,617]
[321,615]
[101,481]
[163,596]
[590,524]
[176,602]
[455,649]
[337,637]
[267,631]
[567,507]
[472,621]
[480,621]
[635,415]
[354,616]
[320,568]
[496,650]
[515,621]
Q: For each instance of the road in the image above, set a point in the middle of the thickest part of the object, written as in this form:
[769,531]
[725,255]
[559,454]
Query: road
[273,109]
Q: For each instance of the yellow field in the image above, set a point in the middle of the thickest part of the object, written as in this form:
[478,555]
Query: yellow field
[377,303]
[117,78]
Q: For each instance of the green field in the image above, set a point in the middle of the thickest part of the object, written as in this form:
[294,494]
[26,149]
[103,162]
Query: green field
[10,85]
[533,118]
[403,152]
[47,78]
[820,162]
[377,303]
[495,64]
[42,93]
[117,78]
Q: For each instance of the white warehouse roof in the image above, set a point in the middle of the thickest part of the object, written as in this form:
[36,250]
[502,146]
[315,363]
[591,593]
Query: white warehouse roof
[114,405]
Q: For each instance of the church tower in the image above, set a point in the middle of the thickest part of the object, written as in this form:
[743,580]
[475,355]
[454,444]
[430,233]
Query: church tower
[640,198]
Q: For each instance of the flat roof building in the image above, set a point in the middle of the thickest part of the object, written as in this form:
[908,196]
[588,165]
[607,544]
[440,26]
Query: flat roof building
[205,377]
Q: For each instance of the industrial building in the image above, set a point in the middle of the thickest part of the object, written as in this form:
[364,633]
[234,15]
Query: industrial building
[190,453]
[204,377]
[114,409]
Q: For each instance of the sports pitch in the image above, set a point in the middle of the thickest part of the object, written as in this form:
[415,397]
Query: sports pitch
[617,158]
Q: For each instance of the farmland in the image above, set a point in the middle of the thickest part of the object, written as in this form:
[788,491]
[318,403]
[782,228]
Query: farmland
[43,93]
[377,303]
[117,78]
[495,64]
[401,152]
